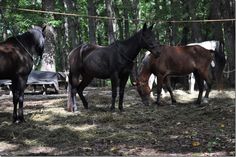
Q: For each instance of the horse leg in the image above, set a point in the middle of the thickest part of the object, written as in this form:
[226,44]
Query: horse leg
[151,81]
[84,83]
[22,85]
[208,78]
[18,97]
[170,91]
[200,84]
[73,82]
[114,83]
[123,82]
[191,83]
[159,88]
[15,93]
[71,103]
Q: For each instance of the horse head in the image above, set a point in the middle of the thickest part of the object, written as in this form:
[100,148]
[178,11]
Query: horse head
[38,34]
[148,40]
[144,91]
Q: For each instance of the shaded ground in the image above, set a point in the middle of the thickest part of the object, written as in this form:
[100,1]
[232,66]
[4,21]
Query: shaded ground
[184,129]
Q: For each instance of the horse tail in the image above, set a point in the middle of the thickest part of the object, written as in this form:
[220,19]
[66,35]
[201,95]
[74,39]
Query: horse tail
[219,58]
[81,52]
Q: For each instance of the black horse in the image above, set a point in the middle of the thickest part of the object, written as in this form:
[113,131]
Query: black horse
[114,61]
[16,62]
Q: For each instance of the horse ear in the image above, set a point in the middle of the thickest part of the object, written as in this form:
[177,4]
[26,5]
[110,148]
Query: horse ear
[151,27]
[44,28]
[145,27]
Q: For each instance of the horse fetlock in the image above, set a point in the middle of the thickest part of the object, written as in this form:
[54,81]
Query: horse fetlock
[14,118]
[75,108]
[112,108]
[21,119]
[85,105]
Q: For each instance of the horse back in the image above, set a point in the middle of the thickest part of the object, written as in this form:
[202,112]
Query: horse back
[78,54]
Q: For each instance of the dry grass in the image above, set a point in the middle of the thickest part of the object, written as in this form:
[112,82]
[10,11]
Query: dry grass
[184,129]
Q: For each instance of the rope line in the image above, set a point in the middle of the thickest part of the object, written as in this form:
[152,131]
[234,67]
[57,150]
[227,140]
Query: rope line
[113,18]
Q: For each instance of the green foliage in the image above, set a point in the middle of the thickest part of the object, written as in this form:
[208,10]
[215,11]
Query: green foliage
[152,11]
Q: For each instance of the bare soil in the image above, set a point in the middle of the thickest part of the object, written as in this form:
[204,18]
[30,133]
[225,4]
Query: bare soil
[183,129]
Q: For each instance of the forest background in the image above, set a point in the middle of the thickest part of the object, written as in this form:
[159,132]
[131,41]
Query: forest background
[104,21]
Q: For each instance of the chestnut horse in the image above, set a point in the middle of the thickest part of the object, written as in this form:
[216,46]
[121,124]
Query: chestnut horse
[176,61]
[115,61]
[217,65]
[16,62]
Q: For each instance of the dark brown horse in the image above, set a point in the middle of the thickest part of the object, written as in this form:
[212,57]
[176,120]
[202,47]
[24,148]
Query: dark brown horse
[176,61]
[114,61]
[16,62]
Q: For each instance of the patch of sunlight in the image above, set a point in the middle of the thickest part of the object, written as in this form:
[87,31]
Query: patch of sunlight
[80,128]
[41,118]
[61,111]
[41,149]
[5,146]
[54,127]
[84,127]
[31,142]
[51,102]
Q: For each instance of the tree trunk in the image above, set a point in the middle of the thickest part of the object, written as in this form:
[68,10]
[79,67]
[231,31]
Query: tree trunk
[48,61]
[229,32]
[196,34]
[186,27]
[119,22]
[91,21]
[125,3]
[111,36]
[215,13]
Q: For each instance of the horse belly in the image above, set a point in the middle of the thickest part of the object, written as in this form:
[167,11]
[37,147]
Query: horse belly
[97,68]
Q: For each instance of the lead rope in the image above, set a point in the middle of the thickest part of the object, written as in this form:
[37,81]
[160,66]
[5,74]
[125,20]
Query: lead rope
[13,33]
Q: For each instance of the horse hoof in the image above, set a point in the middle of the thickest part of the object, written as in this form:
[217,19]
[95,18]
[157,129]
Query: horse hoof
[121,109]
[157,103]
[173,103]
[112,109]
[21,120]
[86,107]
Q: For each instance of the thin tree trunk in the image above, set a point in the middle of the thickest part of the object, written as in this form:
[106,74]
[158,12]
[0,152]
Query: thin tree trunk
[91,21]
[111,36]
[125,3]
[229,32]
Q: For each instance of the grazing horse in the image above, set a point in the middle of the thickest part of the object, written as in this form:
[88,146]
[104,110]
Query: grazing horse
[217,65]
[114,61]
[176,61]
[16,62]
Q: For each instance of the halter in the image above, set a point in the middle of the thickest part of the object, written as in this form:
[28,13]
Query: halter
[24,48]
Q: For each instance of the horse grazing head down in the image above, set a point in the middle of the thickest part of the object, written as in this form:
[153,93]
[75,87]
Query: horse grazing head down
[38,39]
[148,40]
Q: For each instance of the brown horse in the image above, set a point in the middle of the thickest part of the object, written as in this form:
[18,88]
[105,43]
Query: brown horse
[176,61]
[114,61]
[16,62]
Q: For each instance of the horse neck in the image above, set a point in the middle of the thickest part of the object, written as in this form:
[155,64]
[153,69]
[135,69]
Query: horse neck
[26,41]
[132,46]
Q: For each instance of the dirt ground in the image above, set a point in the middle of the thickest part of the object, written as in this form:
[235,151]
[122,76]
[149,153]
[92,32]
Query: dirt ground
[183,129]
